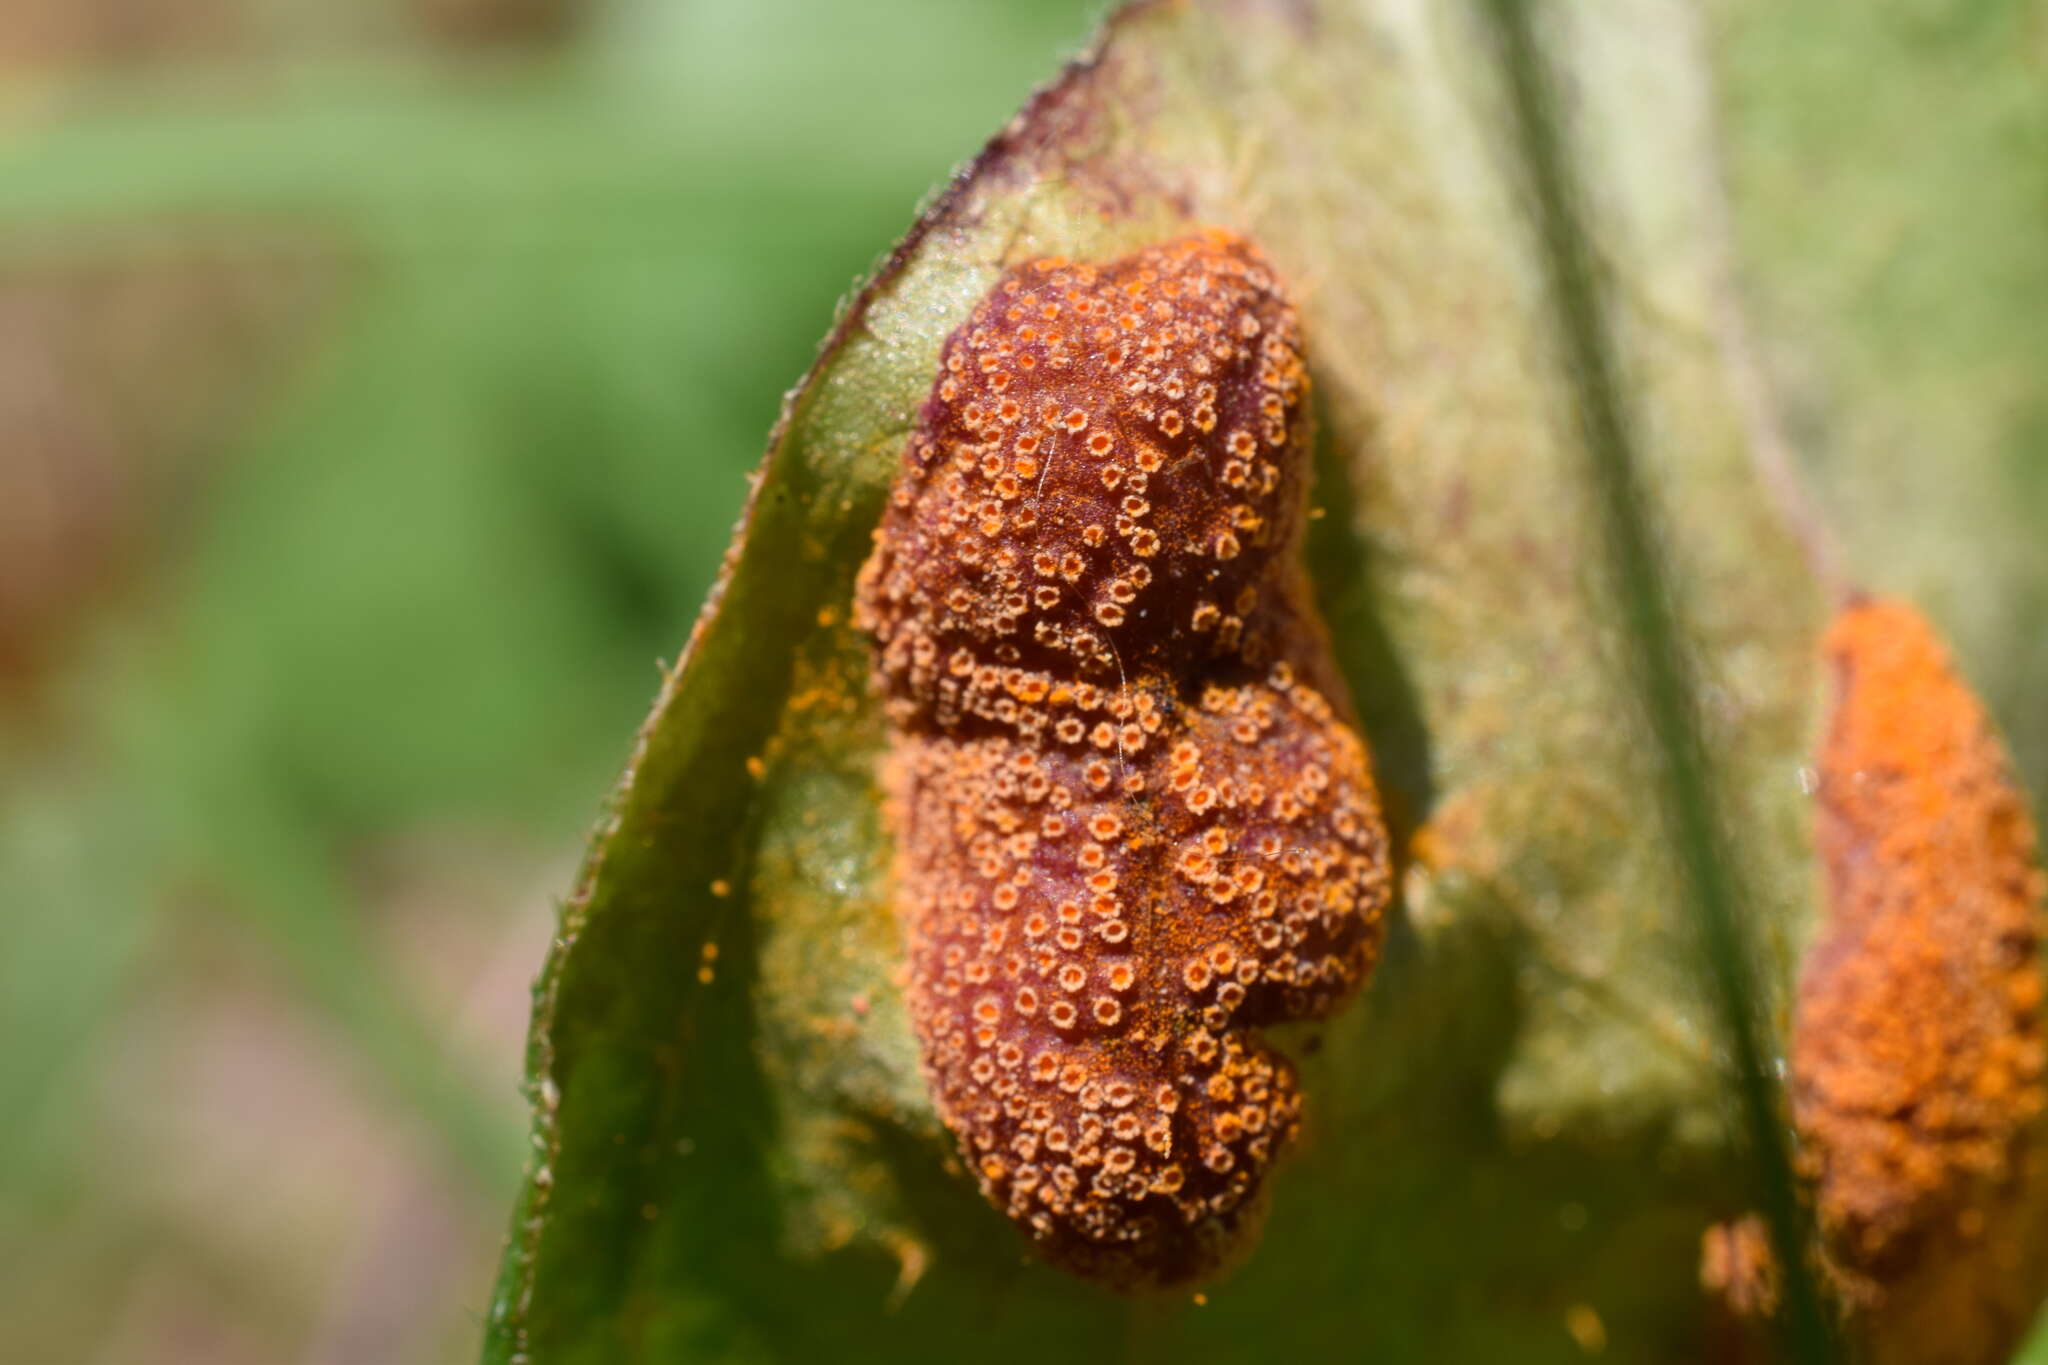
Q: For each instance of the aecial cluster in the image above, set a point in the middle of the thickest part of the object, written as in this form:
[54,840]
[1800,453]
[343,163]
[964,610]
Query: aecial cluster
[1917,1047]
[1132,825]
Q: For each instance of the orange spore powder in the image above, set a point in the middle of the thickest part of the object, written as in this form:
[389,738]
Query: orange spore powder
[1917,1053]
[1132,825]
[1737,1267]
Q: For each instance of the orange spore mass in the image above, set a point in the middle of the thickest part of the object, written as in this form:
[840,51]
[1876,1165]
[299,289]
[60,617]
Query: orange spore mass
[1917,1048]
[1132,827]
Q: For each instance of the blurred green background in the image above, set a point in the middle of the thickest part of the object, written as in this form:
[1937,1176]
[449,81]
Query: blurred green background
[378,385]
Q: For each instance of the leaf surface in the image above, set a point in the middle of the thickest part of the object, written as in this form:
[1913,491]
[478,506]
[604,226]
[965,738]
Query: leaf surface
[1516,1139]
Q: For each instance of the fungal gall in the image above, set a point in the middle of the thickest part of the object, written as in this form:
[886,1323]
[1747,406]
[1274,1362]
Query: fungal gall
[1917,1049]
[1133,824]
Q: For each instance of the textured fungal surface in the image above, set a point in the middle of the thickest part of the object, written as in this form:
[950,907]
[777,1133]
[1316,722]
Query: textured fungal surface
[1132,825]
[1736,1266]
[1917,1045]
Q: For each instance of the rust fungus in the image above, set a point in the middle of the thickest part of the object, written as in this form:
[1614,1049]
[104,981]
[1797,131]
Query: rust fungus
[1132,825]
[1916,1051]
[1737,1267]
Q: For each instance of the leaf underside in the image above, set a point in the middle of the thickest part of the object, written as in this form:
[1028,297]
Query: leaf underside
[1523,1125]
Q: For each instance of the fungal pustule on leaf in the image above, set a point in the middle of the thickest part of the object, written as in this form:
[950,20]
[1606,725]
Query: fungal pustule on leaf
[1917,1047]
[1133,823]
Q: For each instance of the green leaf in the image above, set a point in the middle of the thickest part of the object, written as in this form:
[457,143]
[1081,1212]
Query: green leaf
[1517,1138]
